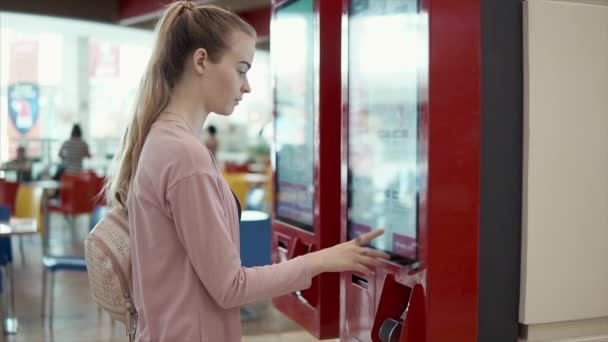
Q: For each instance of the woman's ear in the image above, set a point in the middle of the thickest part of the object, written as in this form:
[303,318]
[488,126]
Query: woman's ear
[200,58]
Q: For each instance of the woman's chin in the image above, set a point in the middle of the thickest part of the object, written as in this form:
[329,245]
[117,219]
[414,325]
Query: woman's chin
[225,111]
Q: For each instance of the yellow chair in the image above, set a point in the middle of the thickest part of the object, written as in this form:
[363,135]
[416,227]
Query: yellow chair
[29,204]
[239,185]
[268,187]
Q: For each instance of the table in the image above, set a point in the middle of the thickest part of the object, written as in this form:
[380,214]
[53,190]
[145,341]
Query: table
[256,178]
[18,226]
[15,227]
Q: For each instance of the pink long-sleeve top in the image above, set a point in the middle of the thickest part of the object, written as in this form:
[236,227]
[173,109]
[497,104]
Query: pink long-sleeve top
[188,282]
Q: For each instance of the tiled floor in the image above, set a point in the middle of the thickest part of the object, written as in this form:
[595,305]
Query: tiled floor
[76,316]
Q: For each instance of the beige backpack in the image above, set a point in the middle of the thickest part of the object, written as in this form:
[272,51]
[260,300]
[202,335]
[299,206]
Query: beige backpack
[109,268]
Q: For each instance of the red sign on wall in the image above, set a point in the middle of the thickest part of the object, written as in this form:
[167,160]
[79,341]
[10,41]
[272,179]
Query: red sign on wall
[24,60]
[105,60]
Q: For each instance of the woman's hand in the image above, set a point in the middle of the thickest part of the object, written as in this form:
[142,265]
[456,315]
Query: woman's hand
[349,256]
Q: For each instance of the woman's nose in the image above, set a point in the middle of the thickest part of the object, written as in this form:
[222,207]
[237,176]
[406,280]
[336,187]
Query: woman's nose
[246,88]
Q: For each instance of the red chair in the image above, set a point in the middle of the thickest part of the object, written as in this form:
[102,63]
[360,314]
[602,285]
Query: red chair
[232,167]
[8,197]
[75,197]
[8,194]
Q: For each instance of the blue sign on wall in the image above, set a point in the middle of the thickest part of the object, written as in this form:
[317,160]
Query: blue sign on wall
[23,105]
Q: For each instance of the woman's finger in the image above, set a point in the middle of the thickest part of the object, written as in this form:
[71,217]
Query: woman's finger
[364,239]
[374,253]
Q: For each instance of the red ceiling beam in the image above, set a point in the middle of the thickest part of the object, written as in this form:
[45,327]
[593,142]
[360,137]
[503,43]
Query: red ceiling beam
[132,9]
[259,19]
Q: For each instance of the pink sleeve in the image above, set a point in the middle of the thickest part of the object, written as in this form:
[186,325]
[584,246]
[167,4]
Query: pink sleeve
[202,227]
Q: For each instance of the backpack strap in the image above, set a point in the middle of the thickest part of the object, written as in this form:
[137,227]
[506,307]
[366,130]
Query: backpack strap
[131,321]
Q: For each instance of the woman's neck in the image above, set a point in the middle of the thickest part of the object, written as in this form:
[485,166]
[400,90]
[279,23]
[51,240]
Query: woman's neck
[183,105]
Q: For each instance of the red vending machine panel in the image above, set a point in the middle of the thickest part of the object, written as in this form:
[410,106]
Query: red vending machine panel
[306,212]
[411,166]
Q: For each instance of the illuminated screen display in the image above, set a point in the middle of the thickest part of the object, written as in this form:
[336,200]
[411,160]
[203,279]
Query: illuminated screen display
[292,60]
[385,47]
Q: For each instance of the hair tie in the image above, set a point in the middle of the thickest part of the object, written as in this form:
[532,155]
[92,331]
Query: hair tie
[186,5]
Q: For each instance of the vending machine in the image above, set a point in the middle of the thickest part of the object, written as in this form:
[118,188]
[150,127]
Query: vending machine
[305,60]
[411,166]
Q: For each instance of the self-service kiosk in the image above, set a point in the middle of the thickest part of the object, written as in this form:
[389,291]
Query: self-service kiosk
[411,166]
[400,114]
[305,57]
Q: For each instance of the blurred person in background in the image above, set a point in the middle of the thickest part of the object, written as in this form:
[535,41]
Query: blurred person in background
[21,164]
[72,152]
[211,142]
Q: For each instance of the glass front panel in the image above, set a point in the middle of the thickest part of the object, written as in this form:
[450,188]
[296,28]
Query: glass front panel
[384,49]
[292,60]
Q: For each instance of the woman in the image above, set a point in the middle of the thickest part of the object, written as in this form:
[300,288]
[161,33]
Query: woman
[73,151]
[188,283]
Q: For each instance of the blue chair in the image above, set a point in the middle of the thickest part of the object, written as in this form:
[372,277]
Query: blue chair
[255,238]
[255,246]
[6,252]
[56,263]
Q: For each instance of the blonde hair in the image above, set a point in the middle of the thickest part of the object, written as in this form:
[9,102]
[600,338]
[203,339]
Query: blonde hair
[183,28]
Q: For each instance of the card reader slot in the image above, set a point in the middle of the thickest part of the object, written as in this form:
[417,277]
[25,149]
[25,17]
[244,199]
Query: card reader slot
[282,244]
[360,282]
